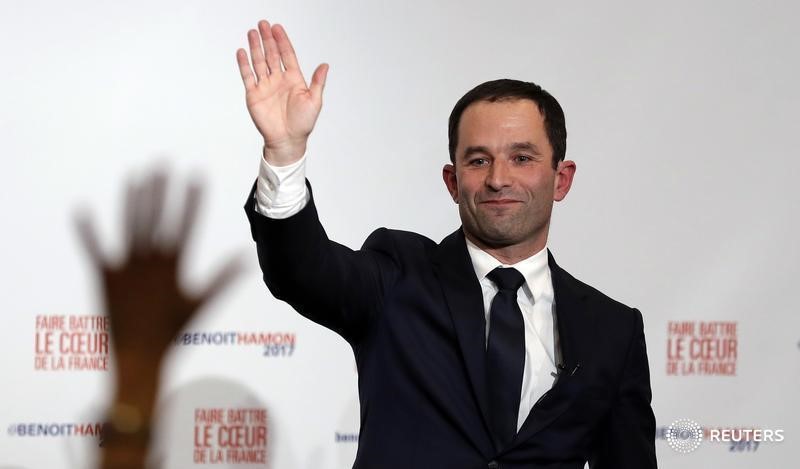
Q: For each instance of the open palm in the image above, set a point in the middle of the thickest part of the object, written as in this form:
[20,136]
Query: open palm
[142,291]
[282,106]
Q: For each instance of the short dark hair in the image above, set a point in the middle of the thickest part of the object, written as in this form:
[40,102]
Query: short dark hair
[509,90]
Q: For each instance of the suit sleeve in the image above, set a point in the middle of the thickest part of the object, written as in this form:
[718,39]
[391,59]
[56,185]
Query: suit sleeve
[627,438]
[327,282]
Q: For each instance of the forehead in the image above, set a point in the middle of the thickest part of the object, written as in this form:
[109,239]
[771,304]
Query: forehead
[498,123]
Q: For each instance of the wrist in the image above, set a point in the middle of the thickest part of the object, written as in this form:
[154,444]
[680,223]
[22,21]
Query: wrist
[138,386]
[125,437]
[284,155]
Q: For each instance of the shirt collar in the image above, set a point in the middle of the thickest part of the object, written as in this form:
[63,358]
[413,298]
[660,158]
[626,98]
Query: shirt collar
[534,269]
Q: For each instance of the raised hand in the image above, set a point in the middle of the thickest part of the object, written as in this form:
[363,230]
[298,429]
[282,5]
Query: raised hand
[143,293]
[147,306]
[144,298]
[280,103]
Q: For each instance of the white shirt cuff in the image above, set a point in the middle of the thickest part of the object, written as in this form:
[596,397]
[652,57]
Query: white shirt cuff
[281,190]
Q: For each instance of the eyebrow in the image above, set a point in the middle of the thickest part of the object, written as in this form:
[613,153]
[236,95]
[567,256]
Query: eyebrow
[475,149]
[516,146]
[527,146]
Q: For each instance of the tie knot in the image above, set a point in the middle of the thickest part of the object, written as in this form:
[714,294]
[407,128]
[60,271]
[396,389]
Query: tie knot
[506,278]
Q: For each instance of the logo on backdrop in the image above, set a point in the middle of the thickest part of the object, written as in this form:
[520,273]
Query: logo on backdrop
[230,436]
[345,437]
[702,348]
[54,429]
[273,344]
[71,342]
[685,435]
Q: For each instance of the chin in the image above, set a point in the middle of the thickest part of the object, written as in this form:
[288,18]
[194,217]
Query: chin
[499,239]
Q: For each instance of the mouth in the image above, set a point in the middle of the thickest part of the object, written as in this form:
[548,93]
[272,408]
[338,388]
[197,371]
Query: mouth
[500,202]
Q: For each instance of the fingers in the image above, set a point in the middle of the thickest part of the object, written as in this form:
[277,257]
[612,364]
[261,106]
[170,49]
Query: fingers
[264,53]
[257,55]
[248,78]
[144,208]
[135,230]
[270,47]
[145,230]
[153,200]
[318,81]
[285,48]
[193,196]
[88,237]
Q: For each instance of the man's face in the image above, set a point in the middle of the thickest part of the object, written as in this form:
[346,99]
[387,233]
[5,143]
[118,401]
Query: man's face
[503,180]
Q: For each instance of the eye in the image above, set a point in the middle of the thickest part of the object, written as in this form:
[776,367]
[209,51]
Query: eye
[478,162]
[522,158]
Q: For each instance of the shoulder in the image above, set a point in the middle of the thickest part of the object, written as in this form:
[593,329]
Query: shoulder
[596,296]
[399,239]
[610,311]
[404,248]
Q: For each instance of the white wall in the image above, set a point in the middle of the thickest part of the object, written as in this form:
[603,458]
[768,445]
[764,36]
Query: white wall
[681,118]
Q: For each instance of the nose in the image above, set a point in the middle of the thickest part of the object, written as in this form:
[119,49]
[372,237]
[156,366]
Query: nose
[499,175]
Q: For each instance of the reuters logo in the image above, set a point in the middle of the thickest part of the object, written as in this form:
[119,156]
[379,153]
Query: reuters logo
[684,435]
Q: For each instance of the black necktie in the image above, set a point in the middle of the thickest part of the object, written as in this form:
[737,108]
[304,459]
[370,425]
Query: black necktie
[505,354]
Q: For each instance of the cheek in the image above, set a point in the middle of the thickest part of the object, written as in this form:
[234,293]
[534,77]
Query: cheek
[542,188]
[465,190]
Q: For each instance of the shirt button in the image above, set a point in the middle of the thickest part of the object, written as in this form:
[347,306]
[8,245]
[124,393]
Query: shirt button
[492,465]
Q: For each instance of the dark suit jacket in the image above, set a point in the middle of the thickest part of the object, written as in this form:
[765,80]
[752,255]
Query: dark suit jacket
[413,313]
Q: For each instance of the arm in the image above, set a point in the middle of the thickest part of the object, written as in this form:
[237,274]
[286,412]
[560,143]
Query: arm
[147,306]
[325,281]
[281,190]
[627,440]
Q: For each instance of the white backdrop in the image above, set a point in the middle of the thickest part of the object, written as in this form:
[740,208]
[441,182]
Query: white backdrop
[682,118]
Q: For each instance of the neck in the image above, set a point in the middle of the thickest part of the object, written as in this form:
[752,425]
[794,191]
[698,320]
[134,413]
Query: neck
[510,254]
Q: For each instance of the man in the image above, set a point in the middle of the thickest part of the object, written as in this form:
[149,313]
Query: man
[476,352]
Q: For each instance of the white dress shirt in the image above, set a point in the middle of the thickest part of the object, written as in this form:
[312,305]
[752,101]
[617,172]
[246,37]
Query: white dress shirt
[281,192]
[535,299]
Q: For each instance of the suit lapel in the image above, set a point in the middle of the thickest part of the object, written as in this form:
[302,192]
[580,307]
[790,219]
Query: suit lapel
[575,324]
[464,298]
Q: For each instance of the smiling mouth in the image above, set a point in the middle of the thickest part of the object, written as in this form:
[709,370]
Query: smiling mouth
[500,202]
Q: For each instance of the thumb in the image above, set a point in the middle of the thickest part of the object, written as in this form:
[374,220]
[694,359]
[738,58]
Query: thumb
[318,81]
[224,276]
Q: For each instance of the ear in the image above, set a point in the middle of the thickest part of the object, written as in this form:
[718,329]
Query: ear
[451,181]
[565,172]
